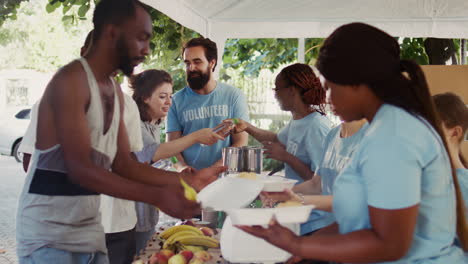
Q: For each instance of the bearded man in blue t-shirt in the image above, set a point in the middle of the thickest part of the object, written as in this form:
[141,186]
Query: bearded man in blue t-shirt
[204,103]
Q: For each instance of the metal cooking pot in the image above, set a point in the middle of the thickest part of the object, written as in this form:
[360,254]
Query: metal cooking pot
[243,159]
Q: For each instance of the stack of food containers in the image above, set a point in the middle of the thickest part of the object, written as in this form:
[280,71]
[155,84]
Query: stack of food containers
[233,194]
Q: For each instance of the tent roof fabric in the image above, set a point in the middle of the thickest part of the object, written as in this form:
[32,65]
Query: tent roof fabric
[220,19]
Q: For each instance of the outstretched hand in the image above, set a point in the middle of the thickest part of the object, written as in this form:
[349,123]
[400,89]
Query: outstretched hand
[203,177]
[275,150]
[275,234]
[241,125]
[206,136]
[172,202]
[271,198]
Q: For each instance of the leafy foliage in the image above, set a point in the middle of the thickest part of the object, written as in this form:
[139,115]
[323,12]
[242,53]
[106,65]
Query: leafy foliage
[166,46]
[247,56]
[413,48]
[252,55]
[8,9]
[39,41]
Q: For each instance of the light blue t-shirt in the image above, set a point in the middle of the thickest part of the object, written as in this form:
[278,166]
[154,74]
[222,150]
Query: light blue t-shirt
[191,111]
[304,138]
[338,153]
[462,176]
[401,162]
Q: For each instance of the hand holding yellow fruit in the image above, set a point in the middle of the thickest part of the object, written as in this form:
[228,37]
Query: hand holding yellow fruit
[189,191]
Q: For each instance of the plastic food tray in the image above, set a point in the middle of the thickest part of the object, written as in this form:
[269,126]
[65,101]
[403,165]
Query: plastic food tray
[270,183]
[262,216]
[228,193]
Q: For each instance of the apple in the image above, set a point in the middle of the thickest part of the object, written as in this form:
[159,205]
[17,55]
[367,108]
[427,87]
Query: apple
[162,257]
[203,255]
[177,259]
[167,252]
[196,261]
[154,259]
[207,231]
[188,255]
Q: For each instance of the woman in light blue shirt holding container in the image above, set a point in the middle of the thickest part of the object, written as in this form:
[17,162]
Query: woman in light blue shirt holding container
[300,143]
[396,201]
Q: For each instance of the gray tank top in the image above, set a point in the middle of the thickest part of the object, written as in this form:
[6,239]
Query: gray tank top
[52,210]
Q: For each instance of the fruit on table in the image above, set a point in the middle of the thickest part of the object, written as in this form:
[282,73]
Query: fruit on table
[191,248]
[188,255]
[196,261]
[161,257]
[174,238]
[189,191]
[154,259]
[172,230]
[167,253]
[207,231]
[202,255]
[177,259]
[199,241]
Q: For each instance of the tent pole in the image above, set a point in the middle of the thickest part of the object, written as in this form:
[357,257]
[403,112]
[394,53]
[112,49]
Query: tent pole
[301,50]
[220,43]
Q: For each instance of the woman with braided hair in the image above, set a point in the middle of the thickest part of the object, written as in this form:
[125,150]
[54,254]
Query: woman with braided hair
[300,143]
[398,200]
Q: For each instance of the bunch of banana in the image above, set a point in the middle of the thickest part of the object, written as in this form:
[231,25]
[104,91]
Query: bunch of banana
[188,236]
[176,229]
[173,239]
[197,240]
[194,249]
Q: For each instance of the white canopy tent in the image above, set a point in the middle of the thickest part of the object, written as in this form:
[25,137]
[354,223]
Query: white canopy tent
[222,19]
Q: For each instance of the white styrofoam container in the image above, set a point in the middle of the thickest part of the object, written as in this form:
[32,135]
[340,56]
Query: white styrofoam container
[228,193]
[277,183]
[262,216]
[239,247]
[272,183]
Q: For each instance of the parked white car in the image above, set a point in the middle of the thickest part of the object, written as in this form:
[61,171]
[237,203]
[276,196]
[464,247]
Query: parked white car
[13,125]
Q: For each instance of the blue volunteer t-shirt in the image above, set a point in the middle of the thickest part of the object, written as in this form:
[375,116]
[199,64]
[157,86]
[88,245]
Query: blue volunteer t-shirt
[401,162]
[462,176]
[338,153]
[304,138]
[191,112]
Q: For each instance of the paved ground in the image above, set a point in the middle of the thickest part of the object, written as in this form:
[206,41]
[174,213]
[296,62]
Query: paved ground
[11,183]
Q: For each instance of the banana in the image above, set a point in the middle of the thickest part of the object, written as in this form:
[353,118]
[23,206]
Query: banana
[198,241]
[189,191]
[172,230]
[191,248]
[173,238]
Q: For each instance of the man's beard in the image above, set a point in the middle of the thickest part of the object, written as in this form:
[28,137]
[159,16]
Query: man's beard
[125,62]
[198,81]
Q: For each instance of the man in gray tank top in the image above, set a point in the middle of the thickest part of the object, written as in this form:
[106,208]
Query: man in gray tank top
[82,149]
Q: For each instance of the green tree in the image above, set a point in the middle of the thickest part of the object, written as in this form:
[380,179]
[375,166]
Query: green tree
[8,9]
[40,41]
[246,56]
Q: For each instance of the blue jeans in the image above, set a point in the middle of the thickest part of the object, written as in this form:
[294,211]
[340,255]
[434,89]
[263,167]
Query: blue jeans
[142,238]
[58,256]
